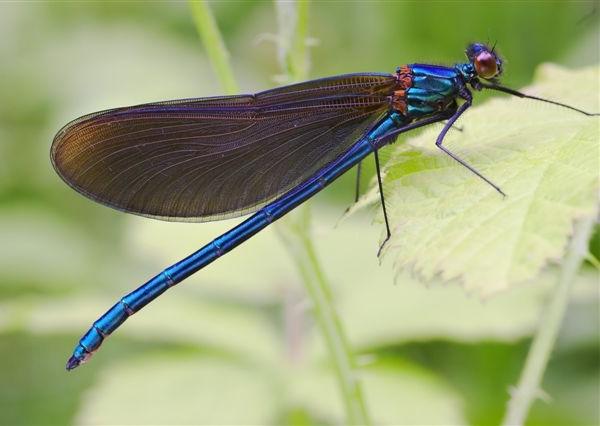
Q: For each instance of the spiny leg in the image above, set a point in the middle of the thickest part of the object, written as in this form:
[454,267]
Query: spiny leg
[357,188]
[390,138]
[385,217]
[440,140]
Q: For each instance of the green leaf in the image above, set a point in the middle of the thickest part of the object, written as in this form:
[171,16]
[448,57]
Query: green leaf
[451,224]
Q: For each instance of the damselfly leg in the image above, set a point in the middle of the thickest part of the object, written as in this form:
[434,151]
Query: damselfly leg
[385,217]
[357,187]
[440,139]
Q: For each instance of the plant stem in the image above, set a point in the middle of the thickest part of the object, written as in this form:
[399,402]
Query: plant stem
[298,243]
[592,259]
[293,24]
[294,229]
[213,43]
[292,19]
[528,388]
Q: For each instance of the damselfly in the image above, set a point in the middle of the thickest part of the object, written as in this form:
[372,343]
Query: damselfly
[213,158]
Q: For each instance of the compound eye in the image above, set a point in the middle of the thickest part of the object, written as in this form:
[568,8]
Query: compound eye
[486,65]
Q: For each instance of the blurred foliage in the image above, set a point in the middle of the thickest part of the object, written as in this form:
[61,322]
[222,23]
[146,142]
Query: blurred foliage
[238,338]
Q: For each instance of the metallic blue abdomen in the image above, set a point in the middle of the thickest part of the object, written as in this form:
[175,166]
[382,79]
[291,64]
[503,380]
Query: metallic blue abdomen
[434,88]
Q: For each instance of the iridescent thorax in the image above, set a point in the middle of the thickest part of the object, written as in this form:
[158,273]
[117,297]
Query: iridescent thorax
[434,89]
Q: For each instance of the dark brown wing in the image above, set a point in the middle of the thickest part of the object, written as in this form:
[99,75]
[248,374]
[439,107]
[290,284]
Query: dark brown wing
[213,158]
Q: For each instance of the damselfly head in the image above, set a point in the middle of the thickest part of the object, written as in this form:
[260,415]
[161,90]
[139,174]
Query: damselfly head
[485,61]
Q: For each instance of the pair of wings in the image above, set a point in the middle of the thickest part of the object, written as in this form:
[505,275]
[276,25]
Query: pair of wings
[214,158]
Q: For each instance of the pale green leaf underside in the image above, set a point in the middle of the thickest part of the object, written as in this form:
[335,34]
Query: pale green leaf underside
[448,223]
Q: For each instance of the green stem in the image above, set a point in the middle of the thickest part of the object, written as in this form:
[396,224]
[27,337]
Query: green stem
[293,22]
[292,18]
[294,229]
[528,388]
[298,242]
[592,259]
[213,43]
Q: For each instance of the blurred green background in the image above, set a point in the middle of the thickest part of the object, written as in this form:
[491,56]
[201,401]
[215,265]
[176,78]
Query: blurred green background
[237,344]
